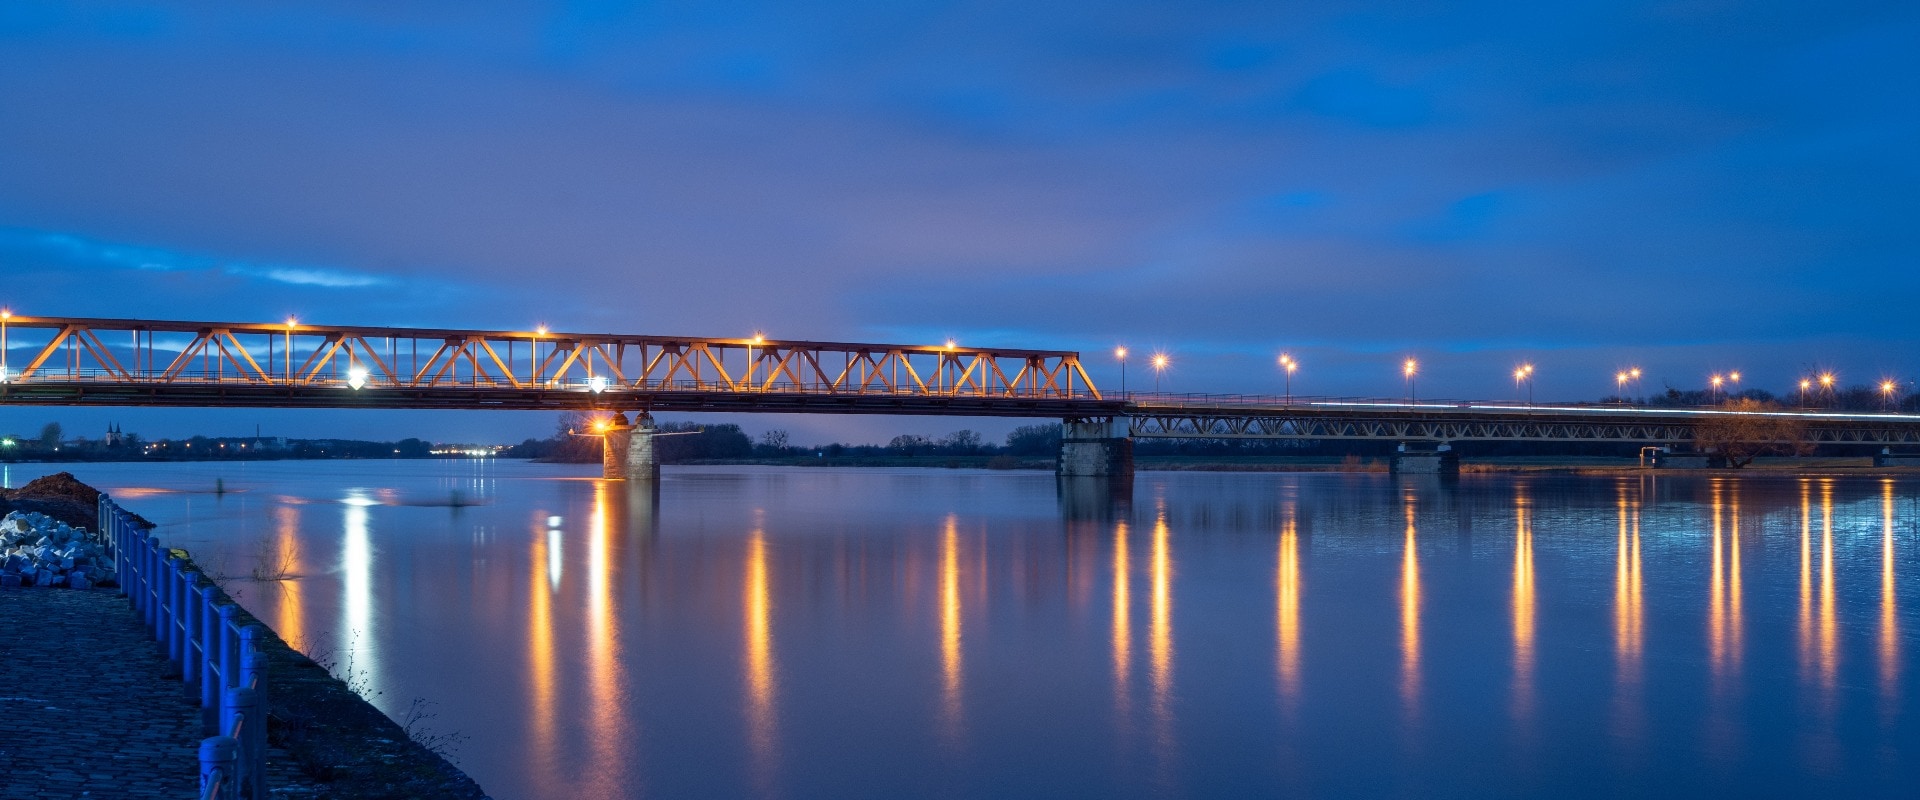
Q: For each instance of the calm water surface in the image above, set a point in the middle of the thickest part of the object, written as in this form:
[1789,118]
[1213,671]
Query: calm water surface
[799,633]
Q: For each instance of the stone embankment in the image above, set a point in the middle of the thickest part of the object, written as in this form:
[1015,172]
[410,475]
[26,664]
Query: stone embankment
[99,712]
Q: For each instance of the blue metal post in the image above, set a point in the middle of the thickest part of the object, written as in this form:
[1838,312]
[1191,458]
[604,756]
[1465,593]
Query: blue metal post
[190,623]
[218,757]
[210,677]
[229,646]
[253,674]
[177,628]
[238,706]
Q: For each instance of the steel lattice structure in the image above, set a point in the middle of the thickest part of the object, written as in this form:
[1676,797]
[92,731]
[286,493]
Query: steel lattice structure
[1480,422]
[125,362]
[84,361]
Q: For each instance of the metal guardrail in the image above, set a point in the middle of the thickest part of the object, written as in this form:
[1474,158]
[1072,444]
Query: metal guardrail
[197,627]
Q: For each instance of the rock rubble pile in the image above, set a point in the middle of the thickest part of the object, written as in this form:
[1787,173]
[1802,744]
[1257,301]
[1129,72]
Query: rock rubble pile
[38,550]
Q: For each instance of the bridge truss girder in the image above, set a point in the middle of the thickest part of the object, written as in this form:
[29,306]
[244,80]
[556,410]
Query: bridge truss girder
[1476,426]
[173,357]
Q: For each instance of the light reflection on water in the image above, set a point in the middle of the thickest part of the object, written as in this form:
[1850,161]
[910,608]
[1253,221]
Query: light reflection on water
[826,633]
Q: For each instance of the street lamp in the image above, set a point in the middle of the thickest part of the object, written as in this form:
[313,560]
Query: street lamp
[1409,368]
[1886,395]
[1620,386]
[1634,374]
[1159,366]
[1826,384]
[1120,354]
[533,363]
[1524,373]
[1734,378]
[1289,365]
[1804,386]
[1714,382]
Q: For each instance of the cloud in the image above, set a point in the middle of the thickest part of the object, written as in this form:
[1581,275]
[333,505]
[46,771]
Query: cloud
[69,250]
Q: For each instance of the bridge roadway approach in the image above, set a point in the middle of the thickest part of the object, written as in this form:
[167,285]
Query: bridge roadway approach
[125,362]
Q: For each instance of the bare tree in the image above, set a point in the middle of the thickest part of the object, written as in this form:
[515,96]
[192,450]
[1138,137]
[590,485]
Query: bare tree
[1746,433]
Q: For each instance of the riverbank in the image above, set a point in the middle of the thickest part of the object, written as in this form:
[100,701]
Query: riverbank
[139,731]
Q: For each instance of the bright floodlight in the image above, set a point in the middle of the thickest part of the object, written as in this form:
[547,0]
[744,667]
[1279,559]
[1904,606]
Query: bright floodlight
[1160,361]
[597,384]
[1410,367]
[1886,386]
[1120,353]
[1826,379]
[357,377]
[542,330]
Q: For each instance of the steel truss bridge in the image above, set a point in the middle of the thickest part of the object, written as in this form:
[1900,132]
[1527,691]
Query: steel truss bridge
[127,362]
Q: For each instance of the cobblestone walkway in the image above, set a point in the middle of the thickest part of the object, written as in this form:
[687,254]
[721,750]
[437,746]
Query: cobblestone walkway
[85,711]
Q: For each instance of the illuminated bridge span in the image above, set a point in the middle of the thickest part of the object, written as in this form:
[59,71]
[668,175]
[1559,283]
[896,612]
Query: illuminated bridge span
[120,362]
[1315,418]
[124,362]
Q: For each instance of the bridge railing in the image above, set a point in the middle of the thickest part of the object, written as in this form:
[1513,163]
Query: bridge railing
[1204,400]
[197,628]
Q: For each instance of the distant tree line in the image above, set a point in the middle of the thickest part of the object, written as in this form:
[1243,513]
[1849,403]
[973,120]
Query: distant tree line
[52,444]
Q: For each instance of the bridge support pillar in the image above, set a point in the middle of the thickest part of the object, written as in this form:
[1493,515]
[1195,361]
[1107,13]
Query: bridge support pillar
[626,452]
[1095,448]
[1442,460]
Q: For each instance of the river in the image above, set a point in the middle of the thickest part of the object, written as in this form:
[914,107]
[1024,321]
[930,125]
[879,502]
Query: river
[828,633]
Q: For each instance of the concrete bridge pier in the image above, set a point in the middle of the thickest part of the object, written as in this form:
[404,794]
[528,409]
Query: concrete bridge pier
[626,450]
[1415,459]
[1100,447]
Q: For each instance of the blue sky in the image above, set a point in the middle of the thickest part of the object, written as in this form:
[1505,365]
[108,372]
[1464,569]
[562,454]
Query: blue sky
[1685,186]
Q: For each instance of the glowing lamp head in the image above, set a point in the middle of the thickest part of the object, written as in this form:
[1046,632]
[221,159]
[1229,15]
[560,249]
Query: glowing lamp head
[1620,377]
[1805,384]
[540,330]
[1410,367]
[1734,376]
[357,378]
[292,322]
[1120,353]
[759,338]
[597,384]
[6,313]
[1634,373]
[1826,379]
[952,344]
[1716,381]
[1160,361]
[601,425]
[1886,387]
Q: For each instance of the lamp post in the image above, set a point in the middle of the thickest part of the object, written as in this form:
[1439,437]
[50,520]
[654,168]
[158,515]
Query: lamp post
[1620,386]
[533,364]
[1159,366]
[1634,375]
[1804,386]
[1713,383]
[1288,365]
[1826,384]
[1410,368]
[1120,354]
[1733,378]
[1886,395]
[6,314]
[1524,373]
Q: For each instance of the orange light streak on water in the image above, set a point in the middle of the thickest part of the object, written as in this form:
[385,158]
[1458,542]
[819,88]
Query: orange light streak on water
[950,621]
[758,604]
[1523,606]
[1287,609]
[1410,615]
[1889,619]
[1122,618]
